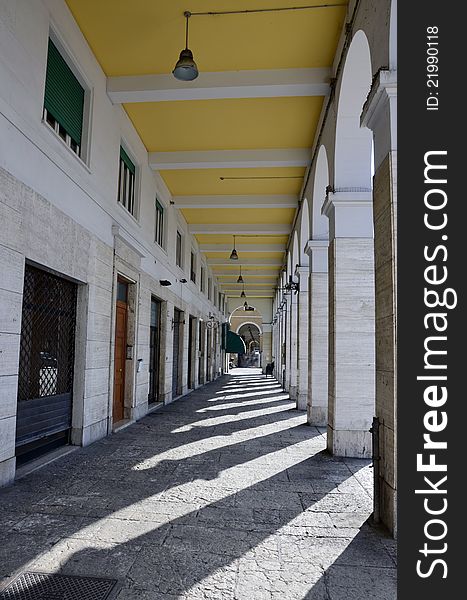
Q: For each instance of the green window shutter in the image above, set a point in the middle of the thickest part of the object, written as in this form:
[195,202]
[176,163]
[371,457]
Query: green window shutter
[64,95]
[126,159]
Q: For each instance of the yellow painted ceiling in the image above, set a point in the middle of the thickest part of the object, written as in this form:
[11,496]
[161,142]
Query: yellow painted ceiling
[257,277]
[255,216]
[245,255]
[232,124]
[146,36]
[207,181]
[236,269]
[241,239]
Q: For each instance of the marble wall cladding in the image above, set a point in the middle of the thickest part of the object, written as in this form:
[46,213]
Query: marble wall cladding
[385,221]
[351,345]
[318,350]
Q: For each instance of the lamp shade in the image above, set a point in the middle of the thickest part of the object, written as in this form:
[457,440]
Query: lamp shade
[243,295]
[240,279]
[185,69]
[233,255]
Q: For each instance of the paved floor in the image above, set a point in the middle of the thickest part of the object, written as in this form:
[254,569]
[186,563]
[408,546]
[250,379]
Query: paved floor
[224,494]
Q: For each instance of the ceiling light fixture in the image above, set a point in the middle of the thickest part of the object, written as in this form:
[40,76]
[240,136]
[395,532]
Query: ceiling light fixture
[243,295]
[233,254]
[186,69]
[240,278]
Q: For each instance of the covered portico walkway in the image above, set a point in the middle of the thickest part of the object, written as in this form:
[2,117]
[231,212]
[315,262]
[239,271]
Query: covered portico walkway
[226,493]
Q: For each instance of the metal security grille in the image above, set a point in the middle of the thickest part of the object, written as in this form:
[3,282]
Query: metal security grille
[46,362]
[44,586]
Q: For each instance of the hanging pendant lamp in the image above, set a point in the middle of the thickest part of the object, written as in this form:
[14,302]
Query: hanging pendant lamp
[186,69]
[243,295]
[233,254]
[240,278]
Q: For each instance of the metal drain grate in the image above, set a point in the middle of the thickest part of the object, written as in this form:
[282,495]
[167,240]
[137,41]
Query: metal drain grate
[47,586]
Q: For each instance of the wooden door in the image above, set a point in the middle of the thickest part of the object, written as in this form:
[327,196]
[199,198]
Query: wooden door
[154,351]
[120,355]
[176,354]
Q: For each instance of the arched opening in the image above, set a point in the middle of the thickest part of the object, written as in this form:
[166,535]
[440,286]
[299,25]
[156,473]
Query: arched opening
[304,231]
[248,324]
[319,225]
[251,334]
[353,148]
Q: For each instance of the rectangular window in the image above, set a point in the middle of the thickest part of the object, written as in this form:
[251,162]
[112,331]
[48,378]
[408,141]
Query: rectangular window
[209,288]
[179,250]
[126,183]
[63,100]
[193,267]
[219,301]
[214,296]
[159,235]
[202,283]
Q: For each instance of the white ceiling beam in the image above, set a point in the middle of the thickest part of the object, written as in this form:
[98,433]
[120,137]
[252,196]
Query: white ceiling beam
[246,261]
[265,247]
[230,159]
[240,229]
[232,201]
[264,83]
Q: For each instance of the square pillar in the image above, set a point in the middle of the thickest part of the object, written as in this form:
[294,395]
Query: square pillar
[380,115]
[302,338]
[292,346]
[351,323]
[317,404]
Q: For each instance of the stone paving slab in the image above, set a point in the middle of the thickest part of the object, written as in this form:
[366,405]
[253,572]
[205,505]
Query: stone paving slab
[224,494]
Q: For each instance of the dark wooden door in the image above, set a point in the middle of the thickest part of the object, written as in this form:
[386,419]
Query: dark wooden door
[120,354]
[191,351]
[154,351]
[176,354]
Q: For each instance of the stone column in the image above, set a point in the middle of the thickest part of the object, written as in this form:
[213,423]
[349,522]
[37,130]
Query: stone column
[379,114]
[317,405]
[301,328]
[283,341]
[292,347]
[267,351]
[351,322]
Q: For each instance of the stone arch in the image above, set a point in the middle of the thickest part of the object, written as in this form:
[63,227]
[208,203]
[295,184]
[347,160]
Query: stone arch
[353,144]
[319,223]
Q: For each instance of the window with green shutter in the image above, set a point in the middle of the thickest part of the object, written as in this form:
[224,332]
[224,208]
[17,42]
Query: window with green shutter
[126,183]
[63,100]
